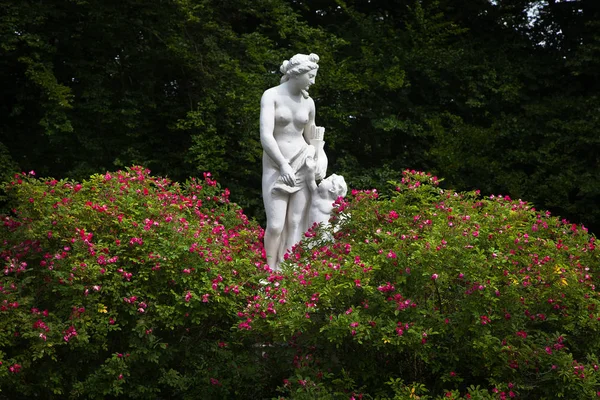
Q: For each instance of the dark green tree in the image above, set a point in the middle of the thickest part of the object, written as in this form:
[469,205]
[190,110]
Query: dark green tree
[498,95]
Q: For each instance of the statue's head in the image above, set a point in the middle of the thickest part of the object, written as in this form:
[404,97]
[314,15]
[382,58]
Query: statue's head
[298,65]
[335,185]
[298,68]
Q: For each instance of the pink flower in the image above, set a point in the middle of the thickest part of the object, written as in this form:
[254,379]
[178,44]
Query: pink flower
[245,325]
[434,277]
[69,333]
[15,368]
[388,287]
[188,296]
[136,240]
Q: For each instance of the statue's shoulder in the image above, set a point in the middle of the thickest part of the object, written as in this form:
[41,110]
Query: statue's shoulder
[270,93]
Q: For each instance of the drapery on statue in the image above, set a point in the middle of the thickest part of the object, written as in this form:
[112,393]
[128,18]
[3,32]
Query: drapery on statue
[289,138]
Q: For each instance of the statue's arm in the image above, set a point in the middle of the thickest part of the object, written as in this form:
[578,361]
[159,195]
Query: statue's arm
[309,132]
[267,139]
[310,125]
[310,178]
[267,125]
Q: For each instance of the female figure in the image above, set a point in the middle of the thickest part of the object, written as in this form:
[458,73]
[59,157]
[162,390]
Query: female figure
[287,116]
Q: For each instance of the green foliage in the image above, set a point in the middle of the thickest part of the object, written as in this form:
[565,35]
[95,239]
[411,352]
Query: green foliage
[499,96]
[7,164]
[458,294]
[8,168]
[125,286]
[132,286]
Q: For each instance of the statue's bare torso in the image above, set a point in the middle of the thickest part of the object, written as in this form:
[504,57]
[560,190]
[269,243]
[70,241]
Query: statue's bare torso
[291,116]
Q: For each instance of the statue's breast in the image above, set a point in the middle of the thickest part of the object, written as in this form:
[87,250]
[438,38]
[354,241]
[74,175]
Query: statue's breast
[301,117]
[283,115]
[287,112]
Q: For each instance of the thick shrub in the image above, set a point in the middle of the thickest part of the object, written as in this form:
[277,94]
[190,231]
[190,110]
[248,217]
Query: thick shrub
[125,286]
[131,286]
[428,293]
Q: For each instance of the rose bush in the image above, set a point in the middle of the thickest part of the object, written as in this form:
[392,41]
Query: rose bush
[132,286]
[427,293]
[125,285]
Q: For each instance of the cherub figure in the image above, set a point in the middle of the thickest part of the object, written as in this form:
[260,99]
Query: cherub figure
[323,195]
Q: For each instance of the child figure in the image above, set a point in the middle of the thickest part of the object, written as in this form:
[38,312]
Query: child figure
[323,195]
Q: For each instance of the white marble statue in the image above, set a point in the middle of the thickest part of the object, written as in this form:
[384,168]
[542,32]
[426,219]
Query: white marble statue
[289,138]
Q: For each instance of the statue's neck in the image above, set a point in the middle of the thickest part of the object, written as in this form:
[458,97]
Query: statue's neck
[295,92]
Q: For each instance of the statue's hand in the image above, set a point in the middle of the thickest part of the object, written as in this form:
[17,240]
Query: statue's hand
[287,175]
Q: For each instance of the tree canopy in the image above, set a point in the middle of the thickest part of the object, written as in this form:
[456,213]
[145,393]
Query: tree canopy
[499,95]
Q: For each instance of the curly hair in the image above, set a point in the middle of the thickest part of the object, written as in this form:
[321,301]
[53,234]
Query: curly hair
[298,65]
[339,185]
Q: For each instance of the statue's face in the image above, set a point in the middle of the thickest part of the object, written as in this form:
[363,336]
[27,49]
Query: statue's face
[326,185]
[306,79]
